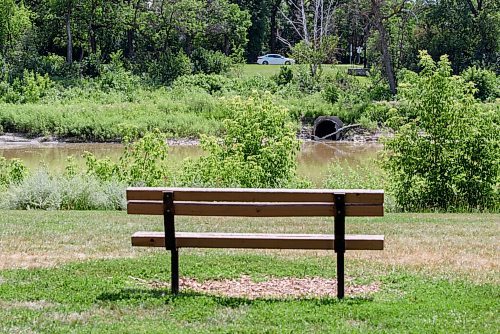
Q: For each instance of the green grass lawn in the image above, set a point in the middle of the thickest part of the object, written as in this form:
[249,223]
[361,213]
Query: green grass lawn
[76,272]
[249,70]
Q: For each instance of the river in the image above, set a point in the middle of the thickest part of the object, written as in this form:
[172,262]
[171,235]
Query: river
[313,159]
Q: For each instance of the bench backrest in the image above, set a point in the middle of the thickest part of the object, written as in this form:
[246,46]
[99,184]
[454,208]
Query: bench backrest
[245,202]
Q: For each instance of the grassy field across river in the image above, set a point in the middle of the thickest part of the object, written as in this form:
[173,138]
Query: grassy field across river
[72,271]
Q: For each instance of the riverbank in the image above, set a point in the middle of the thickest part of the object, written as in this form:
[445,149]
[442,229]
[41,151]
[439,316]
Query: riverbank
[18,139]
[359,135]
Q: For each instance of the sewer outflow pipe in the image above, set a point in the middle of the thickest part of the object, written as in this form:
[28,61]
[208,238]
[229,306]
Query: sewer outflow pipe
[327,128]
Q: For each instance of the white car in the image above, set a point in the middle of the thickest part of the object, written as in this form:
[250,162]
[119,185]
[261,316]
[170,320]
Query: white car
[274,59]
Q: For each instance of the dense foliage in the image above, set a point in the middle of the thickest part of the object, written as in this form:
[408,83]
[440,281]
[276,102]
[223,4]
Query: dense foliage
[446,155]
[258,149]
[143,161]
[162,40]
[11,172]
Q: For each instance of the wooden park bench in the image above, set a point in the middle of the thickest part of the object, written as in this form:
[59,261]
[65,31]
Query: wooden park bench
[171,202]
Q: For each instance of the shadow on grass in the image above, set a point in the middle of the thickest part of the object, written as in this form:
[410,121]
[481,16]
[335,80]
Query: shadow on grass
[164,294]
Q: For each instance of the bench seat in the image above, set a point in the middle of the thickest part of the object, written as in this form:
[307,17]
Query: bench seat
[265,241]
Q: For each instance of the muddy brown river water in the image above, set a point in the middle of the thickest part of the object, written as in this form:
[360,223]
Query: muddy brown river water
[313,159]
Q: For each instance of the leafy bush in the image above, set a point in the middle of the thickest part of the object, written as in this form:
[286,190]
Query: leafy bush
[91,65]
[306,82]
[11,172]
[53,65]
[378,89]
[448,156]
[380,112]
[114,76]
[347,87]
[144,160]
[284,77]
[167,67]
[316,54]
[30,88]
[331,94]
[247,86]
[486,83]
[210,62]
[142,163]
[258,149]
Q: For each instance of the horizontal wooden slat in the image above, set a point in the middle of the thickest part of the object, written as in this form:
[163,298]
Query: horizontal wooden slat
[244,209]
[264,241]
[257,195]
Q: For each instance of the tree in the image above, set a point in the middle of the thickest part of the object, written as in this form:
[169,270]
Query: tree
[258,30]
[380,13]
[273,25]
[15,22]
[468,31]
[313,22]
[226,28]
[447,154]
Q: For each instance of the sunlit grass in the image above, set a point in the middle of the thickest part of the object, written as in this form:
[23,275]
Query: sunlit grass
[76,272]
[249,70]
[448,244]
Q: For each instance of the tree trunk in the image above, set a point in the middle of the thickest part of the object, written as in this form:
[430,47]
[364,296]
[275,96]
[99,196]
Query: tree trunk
[92,40]
[384,45]
[129,48]
[69,50]
[386,58]
[274,26]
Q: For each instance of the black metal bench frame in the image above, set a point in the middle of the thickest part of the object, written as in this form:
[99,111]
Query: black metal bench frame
[170,240]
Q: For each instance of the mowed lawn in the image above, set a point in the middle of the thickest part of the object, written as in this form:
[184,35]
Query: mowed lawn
[75,271]
[249,70]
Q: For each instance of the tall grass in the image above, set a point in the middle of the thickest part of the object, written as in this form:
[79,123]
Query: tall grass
[368,175]
[41,190]
[176,115]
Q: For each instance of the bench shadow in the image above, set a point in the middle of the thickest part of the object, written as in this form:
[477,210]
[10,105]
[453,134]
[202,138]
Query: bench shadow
[227,301]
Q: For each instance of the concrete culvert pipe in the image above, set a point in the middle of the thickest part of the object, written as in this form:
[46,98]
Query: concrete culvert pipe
[326,126]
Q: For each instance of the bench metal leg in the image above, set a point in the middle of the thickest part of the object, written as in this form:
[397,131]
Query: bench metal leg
[174,265]
[339,232]
[170,242]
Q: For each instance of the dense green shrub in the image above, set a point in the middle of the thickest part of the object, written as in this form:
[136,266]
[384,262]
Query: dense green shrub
[378,89]
[347,88]
[258,149]
[12,171]
[90,66]
[29,88]
[380,112]
[305,82]
[114,76]
[284,77]
[447,157]
[166,67]
[210,62]
[53,65]
[486,82]
[248,86]
[142,163]
[331,93]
